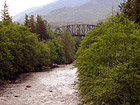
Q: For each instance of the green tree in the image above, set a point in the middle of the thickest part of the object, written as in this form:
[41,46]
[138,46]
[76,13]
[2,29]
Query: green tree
[60,52]
[32,24]
[132,9]
[20,51]
[77,42]
[5,12]
[41,28]
[52,51]
[26,23]
[137,10]
[68,45]
[56,48]
[109,63]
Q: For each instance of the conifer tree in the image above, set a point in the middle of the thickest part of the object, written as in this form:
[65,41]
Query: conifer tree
[26,23]
[41,28]
[5,12]
[32,24]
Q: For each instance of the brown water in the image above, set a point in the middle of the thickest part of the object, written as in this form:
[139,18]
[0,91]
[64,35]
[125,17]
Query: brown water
[54,87]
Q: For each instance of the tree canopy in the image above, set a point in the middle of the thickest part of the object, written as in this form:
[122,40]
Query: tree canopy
[20,51]
[109,63]
[132,9]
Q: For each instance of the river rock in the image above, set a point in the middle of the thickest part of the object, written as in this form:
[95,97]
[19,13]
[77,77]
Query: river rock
[28,86]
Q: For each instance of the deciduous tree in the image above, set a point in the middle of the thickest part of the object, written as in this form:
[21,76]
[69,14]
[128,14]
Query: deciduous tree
[68,45]
[109,63]
[132,9]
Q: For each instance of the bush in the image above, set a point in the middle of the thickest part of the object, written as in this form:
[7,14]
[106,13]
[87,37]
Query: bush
[109,63]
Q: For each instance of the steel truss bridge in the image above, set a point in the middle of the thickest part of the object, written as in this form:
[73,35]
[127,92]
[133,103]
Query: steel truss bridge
[76,29]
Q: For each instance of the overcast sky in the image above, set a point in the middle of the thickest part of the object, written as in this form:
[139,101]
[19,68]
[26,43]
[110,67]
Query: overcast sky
[17,6]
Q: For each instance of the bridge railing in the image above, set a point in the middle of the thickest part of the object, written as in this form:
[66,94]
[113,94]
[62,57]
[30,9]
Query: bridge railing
[76,29]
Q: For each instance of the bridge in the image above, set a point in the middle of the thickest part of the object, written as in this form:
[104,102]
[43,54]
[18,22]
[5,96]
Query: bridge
[76,29]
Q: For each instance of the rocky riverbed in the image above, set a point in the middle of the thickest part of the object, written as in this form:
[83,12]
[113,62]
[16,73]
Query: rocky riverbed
[49,87]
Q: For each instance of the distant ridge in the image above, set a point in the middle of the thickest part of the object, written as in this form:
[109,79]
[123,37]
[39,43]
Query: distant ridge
[89,12]
[45,9]
[21,15]
[79,11]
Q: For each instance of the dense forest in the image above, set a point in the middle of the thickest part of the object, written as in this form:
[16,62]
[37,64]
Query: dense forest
[108,60]
[31,46]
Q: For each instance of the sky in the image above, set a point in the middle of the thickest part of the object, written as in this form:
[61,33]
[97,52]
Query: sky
[17,6]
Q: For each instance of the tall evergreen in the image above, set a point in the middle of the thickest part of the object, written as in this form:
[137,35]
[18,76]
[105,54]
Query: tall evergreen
[5,12]
[26,23]
[32,24]
[41,28]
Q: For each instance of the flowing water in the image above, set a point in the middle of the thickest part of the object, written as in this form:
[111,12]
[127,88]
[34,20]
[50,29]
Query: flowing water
[50,87]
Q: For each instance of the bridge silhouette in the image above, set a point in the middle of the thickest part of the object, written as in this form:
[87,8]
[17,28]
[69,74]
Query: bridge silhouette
[76,29]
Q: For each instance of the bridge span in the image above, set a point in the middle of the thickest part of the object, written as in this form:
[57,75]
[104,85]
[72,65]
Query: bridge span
[76,29]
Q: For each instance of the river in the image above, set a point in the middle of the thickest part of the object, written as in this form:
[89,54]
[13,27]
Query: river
[49,87]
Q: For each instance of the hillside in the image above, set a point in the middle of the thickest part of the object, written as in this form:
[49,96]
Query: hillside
[87,13]
[71,11]
[45,9]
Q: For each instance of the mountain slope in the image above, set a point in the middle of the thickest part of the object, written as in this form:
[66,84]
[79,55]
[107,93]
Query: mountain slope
[18,16]
[59,4]
[43,10]
[87,13]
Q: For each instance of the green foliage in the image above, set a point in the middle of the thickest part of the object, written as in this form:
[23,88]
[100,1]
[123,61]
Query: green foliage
[131,8]
[44,56]
[109,64]
[53,53]
[60,53]
[31,47]
[26,22]
[68,46]
[56,51]
[77,42]
[20,51]
[42,28]
[39,26]
[32,24]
